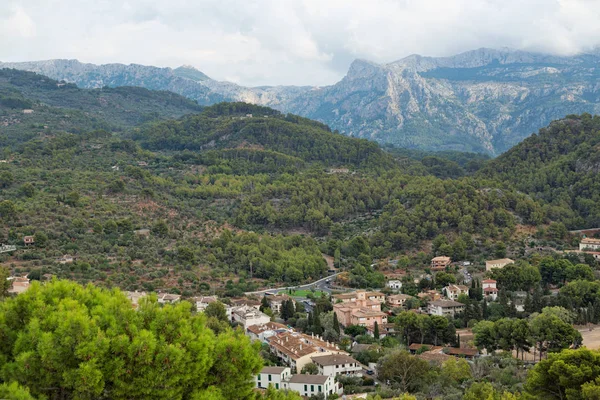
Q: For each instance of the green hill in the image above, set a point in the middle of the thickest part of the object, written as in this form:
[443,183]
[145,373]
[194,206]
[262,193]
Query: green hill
[63,107]
[221,201]
[559,166]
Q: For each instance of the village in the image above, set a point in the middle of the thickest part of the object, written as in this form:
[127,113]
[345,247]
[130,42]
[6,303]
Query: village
[316,362]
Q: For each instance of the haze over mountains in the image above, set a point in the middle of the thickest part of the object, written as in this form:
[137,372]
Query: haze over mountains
[483,100]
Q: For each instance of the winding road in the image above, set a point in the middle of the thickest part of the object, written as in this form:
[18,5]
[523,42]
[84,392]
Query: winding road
[321,284]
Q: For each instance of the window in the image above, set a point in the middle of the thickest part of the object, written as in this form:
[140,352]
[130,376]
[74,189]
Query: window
[277,386]
[305,388]
[259,377]
[319,387]
[312,388]
[270,378]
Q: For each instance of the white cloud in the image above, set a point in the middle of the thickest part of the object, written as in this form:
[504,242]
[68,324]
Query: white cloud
[286,41]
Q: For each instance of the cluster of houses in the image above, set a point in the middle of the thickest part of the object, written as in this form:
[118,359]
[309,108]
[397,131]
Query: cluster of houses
[296,350]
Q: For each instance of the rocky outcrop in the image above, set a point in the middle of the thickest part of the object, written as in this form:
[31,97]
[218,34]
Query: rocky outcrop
[484,100]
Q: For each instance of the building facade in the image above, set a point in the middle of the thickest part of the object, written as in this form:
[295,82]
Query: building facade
[489,289]
[445,307]
[501,263]
[440,263]
[272,376]
[589,244]
[394,284]
[454,291]
[247,316]
[337,364]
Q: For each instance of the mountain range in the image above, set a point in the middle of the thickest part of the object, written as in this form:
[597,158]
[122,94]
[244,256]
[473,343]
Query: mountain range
[483,100]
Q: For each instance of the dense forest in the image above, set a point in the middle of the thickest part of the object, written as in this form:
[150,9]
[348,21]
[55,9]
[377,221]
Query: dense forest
[558,166]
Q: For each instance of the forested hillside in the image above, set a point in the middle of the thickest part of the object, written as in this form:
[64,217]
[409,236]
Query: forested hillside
[231,198]
[559,166]
[62,107]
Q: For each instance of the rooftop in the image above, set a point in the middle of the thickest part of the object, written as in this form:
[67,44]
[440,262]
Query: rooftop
[273,370]
[454,351]
[269,326]
[488,281]
[297,345]
[446,303]
[310,379]
[500,261]
[590,241]
[457,287]
[441,259]
[333,359]
[399,297]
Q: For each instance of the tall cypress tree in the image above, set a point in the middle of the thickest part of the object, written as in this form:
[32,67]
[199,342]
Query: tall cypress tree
[336,324]
[376,331]
[264,303]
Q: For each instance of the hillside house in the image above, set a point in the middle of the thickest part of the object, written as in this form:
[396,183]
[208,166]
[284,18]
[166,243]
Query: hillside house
[276,301]
[397,300]
[501,263]
[431,295]
[28,240]
[362,311]
[27,111]
[67,259]
[311,385]
[454,291]
[248,316]
[589,244]
[203,301]
[489,289]
[265,331]
[272,376]
[445,307]
[134,297]
[337,364]
[168,298]
[394,284]
[440,263]
[384,329]
[20,284]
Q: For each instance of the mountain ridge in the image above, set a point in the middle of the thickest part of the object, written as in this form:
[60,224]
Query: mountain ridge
[483,100]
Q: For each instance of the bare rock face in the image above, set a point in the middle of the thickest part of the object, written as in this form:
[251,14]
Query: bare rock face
[484,100]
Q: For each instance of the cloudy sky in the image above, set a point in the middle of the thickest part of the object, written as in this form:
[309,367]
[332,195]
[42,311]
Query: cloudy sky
[257,42]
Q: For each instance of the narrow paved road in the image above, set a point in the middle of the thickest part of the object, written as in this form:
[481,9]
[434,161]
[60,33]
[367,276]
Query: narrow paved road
[321,284]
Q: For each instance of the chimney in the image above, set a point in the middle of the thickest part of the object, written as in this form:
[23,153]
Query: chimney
[286,338]
[300,346]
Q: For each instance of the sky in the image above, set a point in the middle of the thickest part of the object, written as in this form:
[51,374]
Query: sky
[291,42]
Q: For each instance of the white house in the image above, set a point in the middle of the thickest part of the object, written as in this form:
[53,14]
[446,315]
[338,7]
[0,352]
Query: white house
[274,376]
[310,385]
[394,284]
[203,301]
[589,244]
[168,298]
[337,364]
[247,316]
[489,289]
[454,291]
[501,263]
[445,307]
[263,332]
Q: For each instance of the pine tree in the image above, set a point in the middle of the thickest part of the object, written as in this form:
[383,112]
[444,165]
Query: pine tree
[264,303]
[291,309]
[336,324]
[284,311]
